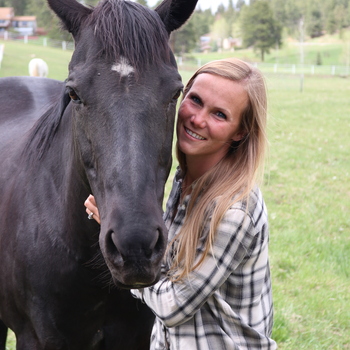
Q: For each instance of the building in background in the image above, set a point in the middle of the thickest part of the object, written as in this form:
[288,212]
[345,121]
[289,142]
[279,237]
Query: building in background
[6,15]
[24,25]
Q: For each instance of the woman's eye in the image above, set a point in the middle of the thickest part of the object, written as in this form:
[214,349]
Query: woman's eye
[195,99]
[73,95]
[221,115]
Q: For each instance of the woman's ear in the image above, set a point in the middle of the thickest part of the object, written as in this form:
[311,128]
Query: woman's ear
[239,136]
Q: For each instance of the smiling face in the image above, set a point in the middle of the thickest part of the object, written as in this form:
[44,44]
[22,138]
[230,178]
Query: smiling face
[209,119]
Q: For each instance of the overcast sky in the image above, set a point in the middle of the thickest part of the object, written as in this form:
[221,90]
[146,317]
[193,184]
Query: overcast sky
[204,4]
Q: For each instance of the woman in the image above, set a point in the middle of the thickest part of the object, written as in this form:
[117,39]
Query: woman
[216,293]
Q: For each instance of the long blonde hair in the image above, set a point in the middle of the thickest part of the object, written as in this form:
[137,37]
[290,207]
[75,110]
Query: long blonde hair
[233,178]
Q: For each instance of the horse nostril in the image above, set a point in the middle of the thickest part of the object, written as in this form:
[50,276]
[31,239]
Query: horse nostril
[147,246]
[160,244]
[156,246]
[111,245]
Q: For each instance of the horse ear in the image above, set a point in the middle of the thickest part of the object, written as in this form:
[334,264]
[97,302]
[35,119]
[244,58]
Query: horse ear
[175,13]
[70,12]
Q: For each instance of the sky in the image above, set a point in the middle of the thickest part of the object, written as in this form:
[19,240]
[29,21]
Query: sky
[204,4]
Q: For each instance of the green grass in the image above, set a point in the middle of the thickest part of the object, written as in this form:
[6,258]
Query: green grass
[307,192]
[17,56]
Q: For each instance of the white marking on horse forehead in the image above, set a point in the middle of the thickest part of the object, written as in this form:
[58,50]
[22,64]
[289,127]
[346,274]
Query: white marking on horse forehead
[123,67]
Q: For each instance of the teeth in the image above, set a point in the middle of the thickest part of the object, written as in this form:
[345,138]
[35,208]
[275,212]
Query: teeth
[196,136]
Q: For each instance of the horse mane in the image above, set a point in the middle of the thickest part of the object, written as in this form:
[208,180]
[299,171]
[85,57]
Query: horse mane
[128,29]
[41,134]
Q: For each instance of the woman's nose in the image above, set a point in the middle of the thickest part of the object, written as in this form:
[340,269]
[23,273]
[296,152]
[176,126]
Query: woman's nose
[198,120]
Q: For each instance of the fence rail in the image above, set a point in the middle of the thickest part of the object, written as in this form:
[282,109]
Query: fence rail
[35,40]
[187,63]
[279,68]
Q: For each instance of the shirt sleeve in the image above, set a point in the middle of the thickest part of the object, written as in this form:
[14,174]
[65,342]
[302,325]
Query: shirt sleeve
[176,302]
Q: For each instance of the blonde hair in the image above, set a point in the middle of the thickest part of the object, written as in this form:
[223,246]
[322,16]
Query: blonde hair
[233,178]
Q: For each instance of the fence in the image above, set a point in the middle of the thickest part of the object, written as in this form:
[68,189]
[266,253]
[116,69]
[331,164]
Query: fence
[1,53]
[191,64]
[293,69]
[34,40]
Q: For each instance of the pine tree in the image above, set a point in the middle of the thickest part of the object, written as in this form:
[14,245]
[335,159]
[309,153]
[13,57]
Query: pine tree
[259,28]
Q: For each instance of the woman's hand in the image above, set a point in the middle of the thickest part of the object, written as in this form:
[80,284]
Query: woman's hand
[91,208]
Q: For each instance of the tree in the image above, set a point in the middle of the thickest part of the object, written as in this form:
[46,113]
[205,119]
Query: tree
[47,19]
[314,25]
[289,13]
[19,7]
[240,4]
[259,28]
[220,10]
[230,17]
[340,14]
[332,23]
[142,2]
[219,32]
[187,38]
[202,21]
[184,40]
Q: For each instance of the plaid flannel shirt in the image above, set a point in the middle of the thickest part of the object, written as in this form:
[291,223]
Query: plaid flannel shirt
[226,303]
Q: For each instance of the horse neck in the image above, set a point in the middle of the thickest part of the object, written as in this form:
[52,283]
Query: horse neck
[69,183]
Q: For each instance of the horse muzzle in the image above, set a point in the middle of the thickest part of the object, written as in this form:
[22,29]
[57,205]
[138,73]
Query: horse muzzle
[134,258]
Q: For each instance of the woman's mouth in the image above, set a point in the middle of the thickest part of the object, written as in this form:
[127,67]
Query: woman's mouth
[193,134]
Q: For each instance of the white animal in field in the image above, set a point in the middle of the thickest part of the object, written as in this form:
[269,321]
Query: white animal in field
[38,68]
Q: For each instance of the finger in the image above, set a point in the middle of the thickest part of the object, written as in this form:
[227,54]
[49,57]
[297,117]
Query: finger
[91,209]
[97,218]
[88,204]
[93,215]
[91,198]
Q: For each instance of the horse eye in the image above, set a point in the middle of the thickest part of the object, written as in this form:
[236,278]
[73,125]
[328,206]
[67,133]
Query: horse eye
[73,95]
[178,94]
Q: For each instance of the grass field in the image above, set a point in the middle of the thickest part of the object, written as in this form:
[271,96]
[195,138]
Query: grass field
[307,191]
[17,56]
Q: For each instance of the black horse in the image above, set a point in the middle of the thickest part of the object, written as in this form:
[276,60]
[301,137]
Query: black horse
[108,131]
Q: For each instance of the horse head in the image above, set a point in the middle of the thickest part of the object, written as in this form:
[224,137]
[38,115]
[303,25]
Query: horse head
[123,84]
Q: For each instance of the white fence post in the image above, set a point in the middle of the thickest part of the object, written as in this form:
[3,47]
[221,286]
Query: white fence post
[2,48]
